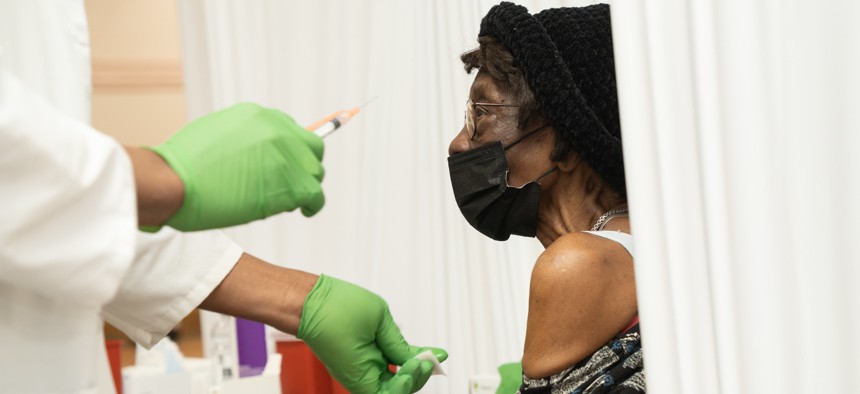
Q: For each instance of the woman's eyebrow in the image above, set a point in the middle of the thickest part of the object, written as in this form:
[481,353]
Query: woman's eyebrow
[491,96]
[478,94]
[479,90]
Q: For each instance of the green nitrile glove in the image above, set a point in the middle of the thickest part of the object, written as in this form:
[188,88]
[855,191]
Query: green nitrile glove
[512,378]
[351,331]
[241,164]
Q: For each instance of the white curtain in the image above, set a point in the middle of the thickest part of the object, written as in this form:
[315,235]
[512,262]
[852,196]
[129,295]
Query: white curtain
[390,222]
[741,135]
[740,131]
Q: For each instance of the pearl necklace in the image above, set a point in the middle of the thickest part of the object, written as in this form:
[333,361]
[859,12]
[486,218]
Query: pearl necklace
[606,216]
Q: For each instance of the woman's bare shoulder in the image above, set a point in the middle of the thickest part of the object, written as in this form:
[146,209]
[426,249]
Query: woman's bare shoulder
[582,294]
[573,249]
[580,257]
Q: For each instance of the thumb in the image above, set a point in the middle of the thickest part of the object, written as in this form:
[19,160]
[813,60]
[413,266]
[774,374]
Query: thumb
[391,342]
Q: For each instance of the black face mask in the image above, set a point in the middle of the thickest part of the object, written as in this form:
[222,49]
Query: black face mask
[480,181]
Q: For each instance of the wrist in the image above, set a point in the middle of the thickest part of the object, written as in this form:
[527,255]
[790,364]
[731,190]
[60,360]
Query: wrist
[263,292]
[290,304]
[160,191]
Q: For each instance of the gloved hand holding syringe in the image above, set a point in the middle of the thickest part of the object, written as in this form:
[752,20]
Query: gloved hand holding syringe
[334,121]
[213,149]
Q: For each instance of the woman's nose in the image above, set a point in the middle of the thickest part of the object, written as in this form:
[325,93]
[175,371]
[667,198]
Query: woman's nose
[460,143]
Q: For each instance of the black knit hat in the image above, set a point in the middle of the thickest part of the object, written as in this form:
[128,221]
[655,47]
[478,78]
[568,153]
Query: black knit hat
[566,57]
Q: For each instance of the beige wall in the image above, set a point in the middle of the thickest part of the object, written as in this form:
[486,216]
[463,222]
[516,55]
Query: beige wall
[137,71]
[137,93]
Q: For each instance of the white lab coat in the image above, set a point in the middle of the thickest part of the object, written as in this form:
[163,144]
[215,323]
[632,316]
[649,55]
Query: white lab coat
[70,252]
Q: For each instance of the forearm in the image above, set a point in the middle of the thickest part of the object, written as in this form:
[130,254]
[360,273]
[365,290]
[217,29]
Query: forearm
[259,291]
[159,190]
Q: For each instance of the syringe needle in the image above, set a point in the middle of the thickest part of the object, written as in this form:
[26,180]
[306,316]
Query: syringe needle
[368,102]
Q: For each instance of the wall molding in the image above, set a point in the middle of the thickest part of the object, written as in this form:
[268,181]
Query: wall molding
[123,73]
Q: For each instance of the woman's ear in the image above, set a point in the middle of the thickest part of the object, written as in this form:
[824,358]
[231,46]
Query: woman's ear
[569,163]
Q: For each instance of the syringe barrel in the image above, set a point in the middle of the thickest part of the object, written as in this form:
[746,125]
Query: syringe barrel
[342,118]
[325,129]
[332,122]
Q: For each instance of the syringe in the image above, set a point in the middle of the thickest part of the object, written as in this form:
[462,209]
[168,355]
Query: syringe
[333,122]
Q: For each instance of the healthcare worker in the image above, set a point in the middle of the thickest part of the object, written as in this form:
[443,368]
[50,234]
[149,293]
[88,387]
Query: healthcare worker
[71,201]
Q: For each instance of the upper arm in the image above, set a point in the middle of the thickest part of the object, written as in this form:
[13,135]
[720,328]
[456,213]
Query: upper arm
[68,216]
[581,296]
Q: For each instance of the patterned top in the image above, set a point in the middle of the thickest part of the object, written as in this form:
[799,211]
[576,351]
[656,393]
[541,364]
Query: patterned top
[614,368]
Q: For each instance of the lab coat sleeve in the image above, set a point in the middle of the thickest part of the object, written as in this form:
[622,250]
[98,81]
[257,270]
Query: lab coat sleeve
[68,214]
[171,275]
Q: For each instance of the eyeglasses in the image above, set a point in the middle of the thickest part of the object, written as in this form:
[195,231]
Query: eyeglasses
[470,114]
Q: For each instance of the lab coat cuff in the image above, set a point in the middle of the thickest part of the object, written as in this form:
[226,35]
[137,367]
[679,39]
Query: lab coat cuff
[183,306]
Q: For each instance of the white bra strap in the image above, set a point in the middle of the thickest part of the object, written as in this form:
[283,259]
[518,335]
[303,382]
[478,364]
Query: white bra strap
[626,240]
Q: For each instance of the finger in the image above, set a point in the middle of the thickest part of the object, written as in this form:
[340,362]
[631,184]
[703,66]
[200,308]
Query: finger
[302,174]
[295,153]
[385,377]
[308,138]
[308,161]
[391,342]
[414,370]
[421,375]
[313,204]
[314,142]
[301,159]
[441,354]
[318,171]
[399,384]
[293,188]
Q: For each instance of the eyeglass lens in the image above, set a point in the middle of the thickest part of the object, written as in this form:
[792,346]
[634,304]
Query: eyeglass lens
[470,119]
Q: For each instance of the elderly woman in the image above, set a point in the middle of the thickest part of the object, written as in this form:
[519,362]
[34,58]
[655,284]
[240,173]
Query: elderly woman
[540,155]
